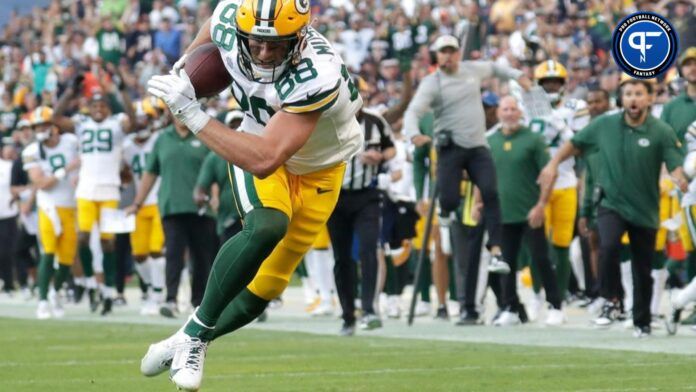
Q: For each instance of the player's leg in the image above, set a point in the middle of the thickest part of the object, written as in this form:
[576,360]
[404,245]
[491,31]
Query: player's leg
[538,248]
[140,250]
[48,241]
[642,257]
[66,250]
[157,262]
[563,222]
[87,213]
[108,243]
[321,272]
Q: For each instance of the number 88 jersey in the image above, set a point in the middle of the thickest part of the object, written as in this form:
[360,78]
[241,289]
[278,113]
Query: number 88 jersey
[319,81]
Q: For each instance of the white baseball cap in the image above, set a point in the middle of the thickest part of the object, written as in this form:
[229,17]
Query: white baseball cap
[445,41]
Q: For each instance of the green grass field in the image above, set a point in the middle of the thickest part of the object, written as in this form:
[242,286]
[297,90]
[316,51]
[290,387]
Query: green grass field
[73,356]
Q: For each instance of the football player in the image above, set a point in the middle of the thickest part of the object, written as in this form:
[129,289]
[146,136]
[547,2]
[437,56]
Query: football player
[286,162]
[101,135]
[566,117]
[147,240]
[51,162]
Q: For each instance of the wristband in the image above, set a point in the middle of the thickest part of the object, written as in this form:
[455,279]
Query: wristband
[193,117]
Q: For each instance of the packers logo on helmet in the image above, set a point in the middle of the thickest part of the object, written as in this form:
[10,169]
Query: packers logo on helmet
[276,22]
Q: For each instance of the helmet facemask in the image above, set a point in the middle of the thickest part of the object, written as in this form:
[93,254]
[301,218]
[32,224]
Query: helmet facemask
[255,70]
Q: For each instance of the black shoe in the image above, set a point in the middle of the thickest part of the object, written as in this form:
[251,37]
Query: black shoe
[94,300]
[522,312]
[78,293]
[108,305]
[169,309]
[468,318]
[347,330]
[442,313]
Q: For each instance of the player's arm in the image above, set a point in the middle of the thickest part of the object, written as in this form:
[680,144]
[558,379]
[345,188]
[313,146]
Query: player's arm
[393,114]
[64,123]
[128,122]
[41,180]
[262,154]
[146,183]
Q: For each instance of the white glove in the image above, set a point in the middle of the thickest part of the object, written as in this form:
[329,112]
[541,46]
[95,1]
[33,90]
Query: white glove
[179,65]
[60,174]
[178,93]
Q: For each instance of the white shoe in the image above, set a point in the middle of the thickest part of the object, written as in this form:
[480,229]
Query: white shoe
[43,312]
[496,265]
[323,309]
[507,318]
[555,317]
[393,307]
[27,294]
[159,355]
[422,309]
[535,306]
[56,304]
[187,365]
[595,307]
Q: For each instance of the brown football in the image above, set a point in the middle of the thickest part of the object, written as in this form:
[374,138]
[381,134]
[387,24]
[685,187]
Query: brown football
[206,70]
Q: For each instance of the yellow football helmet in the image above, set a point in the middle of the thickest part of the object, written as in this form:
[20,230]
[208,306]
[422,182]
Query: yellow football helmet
[40,115]
[550,69]
[274,21]
[149,106]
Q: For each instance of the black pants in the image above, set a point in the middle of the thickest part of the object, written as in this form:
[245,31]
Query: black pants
[479,165]
[611,227]
[356,212]
[124,261]
[197,233]
[467,242]
[591,284]
[26,254]
[8,239]
[539,249]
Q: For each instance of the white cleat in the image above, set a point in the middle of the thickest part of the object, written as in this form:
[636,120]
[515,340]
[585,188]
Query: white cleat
[323,309]
[422,309]
[555,317]
[536,303]
[159,355]
[43,312]
[506,319]
[150,308]
[56,305]
[187,366]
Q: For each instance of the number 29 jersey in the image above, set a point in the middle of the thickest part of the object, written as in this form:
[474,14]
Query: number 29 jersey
[100,155]
[319,82]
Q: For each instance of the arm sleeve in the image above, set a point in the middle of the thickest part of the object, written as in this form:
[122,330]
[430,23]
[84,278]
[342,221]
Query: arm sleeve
[672,151]
[206,175]
[420,104]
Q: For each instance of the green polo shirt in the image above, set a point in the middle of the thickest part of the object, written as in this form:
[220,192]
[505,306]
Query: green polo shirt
[679,113]
[518,158]
[214,171]
[177,161]
[629,162]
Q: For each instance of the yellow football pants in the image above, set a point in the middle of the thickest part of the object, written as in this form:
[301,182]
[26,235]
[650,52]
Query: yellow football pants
[88,213]
[308,200]
[64,246]
[560,216]
[148,236]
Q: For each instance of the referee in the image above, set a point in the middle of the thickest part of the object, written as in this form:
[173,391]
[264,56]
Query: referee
[453,93]
[358,211]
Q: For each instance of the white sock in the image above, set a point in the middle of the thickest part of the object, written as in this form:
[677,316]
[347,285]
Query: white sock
[325,281]
[157,265]
[91,282]
[576,262]
[107,292]
[482,285]
[627,283]
[312,278]
[659,279]
[308,289]
[143,270]
[686,295]
[80,281]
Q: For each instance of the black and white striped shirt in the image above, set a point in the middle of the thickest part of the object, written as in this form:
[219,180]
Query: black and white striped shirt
[377,133]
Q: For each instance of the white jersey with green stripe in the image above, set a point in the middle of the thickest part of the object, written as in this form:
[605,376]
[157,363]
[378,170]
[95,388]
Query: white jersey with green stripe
[50,159]
[135,156]
[101,150]
[318,82]
[558,127]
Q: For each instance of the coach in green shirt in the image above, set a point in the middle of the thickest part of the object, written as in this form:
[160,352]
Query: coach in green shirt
[519,155]
[177,158]
[631,147]
[680,112]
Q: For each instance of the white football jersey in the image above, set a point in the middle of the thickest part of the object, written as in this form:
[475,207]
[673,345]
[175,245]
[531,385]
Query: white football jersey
[135,156]
[559,127]
[101,150]
[50,159]
[320,81]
